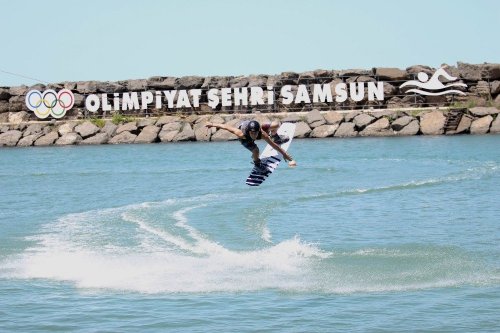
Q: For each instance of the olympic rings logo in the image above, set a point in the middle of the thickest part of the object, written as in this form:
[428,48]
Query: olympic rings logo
[49,102]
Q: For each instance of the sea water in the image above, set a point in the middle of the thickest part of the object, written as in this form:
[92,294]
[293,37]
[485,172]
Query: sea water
[366,234]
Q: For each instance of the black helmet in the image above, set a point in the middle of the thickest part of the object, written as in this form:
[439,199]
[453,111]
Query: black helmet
[253,126]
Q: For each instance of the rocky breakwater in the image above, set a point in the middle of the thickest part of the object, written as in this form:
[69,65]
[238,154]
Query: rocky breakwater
[312,124]
[350,89]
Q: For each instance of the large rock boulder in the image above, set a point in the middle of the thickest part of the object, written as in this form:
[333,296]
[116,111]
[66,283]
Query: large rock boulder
[432,123]
[315,118]
[148,135]
[390,74]
[239,82]
[411,129]
[414,70]
[495,88]
[109,128]
[333,117]
[389,90]
[87,87]
[79,100]
[380,127]
[202,133]
[176,126]
[146,122]
[363,120]
[492,71]
[68,139]
[169,131]
[480,111]
[400,123]
[190,82]
[463,126]
[4,108]
[128,127]
[292,118]
[167,136]
[137,85]
[482,88]
[257,81]
[481,125]
[469,71]
[346,130]
[109,87]
[162,83]
[223,135]
[349,116]
[324,131]
[355,72]
[167,119]
[98,139]
[86,129]
[47,139]
[29,140]
[302,130]
[5,94]
[495,125]
[123,137]
[33,129]
[10,138]
[66,128]
[18,91]
[186,134]
[18,117]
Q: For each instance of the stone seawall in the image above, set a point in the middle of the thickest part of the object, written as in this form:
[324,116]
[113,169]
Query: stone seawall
[312,124]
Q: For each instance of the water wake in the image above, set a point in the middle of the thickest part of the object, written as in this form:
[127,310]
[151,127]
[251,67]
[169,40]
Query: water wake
[471,173]
[154,248]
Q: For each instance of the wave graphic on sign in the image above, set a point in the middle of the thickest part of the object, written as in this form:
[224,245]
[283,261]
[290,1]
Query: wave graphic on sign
[433,86]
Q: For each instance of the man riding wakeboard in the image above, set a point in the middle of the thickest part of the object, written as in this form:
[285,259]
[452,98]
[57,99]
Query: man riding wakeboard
[250,130]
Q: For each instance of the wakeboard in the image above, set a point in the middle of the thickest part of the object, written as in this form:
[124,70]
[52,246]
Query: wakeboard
[270,158]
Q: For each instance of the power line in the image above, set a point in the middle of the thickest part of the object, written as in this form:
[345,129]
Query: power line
[23,76]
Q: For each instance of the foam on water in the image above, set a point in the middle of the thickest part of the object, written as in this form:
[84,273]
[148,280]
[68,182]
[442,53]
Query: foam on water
[154,248]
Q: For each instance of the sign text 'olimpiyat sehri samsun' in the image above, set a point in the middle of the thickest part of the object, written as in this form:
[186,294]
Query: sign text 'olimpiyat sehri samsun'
[56,104]
[227,97]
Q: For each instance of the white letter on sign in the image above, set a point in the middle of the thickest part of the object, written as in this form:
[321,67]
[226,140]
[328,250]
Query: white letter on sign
[286,94]
[146,98]
[341,92]
[92,103]
[213,98]
[130,101]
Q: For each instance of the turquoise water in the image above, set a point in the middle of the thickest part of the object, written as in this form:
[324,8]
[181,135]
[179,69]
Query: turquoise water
[375,234]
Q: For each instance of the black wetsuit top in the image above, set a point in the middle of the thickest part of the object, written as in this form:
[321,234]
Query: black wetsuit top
[247,141]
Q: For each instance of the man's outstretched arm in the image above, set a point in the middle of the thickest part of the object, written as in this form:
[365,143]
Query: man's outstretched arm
[234,130]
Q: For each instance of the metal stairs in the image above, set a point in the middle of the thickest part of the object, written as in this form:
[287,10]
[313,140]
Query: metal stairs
[453,119]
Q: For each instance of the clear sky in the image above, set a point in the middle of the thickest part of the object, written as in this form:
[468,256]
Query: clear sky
[110,40]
